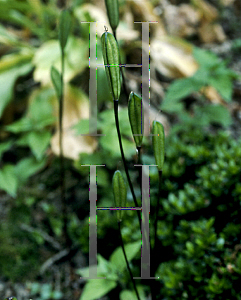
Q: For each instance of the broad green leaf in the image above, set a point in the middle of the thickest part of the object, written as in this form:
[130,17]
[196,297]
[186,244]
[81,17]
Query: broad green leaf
[131,295]
[38,142]
[201,77]
[24,124]
[178,90]
[110,141]
[104,269]
[8,180]
[117,257]
[11,67]
[223,84]
[85,272]
[64,28]
[27,167]
[4,147]
[82,127]
[56,80]
[212,113]
[96,288]
[205,58]
[41,109]
[76,59]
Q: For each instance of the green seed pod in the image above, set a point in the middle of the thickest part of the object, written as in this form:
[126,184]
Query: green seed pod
[120,192]
[112,7]
[64,28]
[136,117]
[158,143]
[111,56]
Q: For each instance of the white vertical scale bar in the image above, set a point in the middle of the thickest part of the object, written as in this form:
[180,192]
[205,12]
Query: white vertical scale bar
[145,76]
[93,80]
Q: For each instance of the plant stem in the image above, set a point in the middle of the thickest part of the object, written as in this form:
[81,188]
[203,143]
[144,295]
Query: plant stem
[138,149]
[153,285]
[124,160]
[128,267]
[62,169]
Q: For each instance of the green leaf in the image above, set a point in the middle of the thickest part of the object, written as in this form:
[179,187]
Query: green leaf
[117,257]
[38,142]
[136,117]
[11,67]
[76,59]
[131,295]
[110,141]
[41,109]
[22,125]
[178,90]
[96,288]
[205,58]
[82,127]
[64,28]
[223,84]
[8,180]
[212,113]
[56,80]
[190,247]
[27,167]
[4,147]
[104,269]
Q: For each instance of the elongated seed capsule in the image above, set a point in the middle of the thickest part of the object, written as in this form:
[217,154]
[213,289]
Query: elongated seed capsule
[111,56]
[120,192]
[112,7]
[158,144]
[64,28]
[136,117]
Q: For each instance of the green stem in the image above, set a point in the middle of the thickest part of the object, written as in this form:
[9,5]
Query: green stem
[122,73]
[154,251]
[128,267]
[62,169]
[138,149]
[124,160]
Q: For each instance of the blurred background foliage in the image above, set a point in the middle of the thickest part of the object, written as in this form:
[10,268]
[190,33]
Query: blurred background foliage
[195,90]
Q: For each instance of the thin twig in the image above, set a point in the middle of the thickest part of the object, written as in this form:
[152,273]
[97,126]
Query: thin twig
[62,168]
[43,234]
